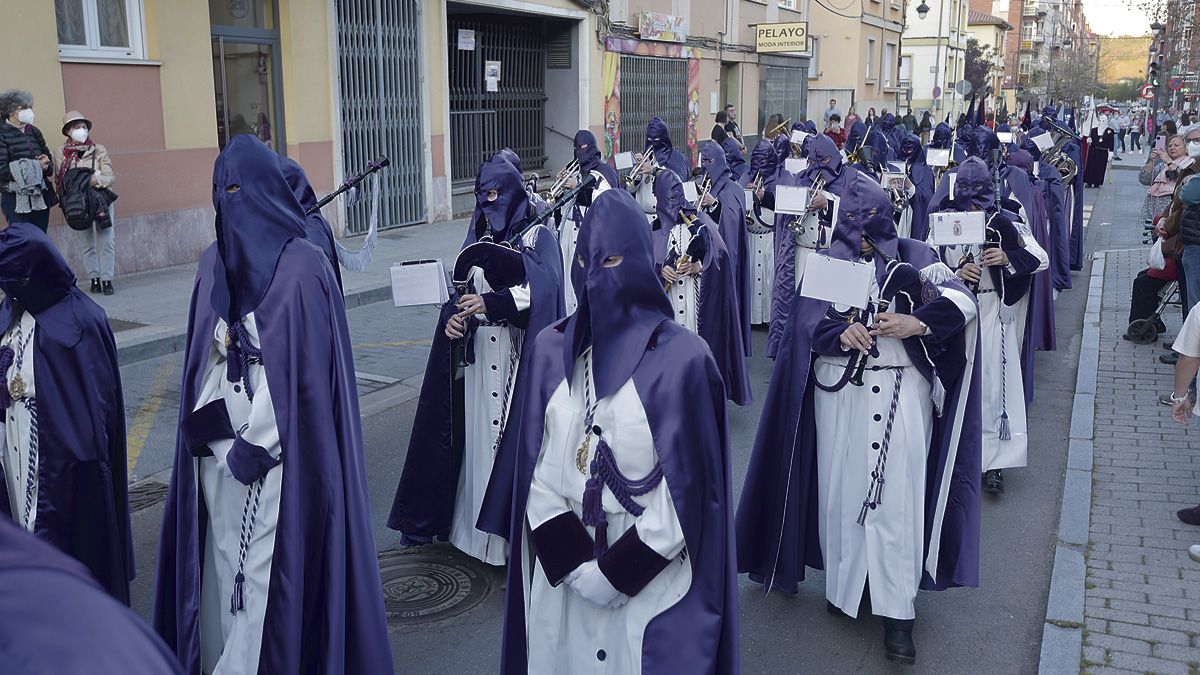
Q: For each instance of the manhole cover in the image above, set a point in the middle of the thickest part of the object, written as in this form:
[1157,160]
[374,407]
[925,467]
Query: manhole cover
[146,494]
[119,325]
[430,584]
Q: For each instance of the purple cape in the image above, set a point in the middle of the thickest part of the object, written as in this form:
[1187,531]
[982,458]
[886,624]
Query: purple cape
[732,226]
[777,528]
[325,613]
[424,501]
[82,501]
[699,634]
[1060,229]
[921,175]
[720,321]
[1075,207]
[56,619]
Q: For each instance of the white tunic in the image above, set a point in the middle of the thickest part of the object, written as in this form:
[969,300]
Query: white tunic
[568,236]
[565,632]
[684,294]
[20,458]
[487,390]
[851,429]
[1001,334]
[762,259]
[230,643]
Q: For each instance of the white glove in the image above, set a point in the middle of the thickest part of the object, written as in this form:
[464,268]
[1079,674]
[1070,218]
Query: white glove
[590,583]
[220,450]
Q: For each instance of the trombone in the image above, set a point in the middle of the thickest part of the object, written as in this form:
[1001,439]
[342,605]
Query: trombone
[683,258]
[857,155]
[569,172]
[635,177]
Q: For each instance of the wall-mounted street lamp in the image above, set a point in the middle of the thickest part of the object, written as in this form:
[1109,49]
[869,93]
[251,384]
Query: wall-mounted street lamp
[922,10]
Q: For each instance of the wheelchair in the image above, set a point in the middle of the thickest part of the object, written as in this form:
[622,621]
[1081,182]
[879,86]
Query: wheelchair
[1145,331]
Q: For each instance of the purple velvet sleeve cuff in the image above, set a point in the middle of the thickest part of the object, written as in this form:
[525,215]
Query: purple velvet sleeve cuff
[248,462]
[1022,261]
[208,423]
[499,306]
[943,317]
[562,544]
[629,564]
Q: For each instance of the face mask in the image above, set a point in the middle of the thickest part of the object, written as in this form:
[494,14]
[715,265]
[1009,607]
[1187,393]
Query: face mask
[836,126]
[79,135]
[25,116]
[1193,149]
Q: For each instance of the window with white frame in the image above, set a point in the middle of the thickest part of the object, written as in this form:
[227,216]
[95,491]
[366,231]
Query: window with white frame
[103,29]
[787,4]
[870,58]
[889,65]
[814,62]
[906,71]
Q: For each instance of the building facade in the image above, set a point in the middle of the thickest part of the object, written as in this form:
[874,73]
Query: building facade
[856,56]
[936,48]
[992,32]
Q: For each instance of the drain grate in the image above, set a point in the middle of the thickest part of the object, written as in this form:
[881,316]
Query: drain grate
[119,325]
[429,584]
[146,494]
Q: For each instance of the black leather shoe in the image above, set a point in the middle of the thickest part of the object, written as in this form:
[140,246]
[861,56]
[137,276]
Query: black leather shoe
[993,482]
[898,642]
[1190,516]
[108,289]
[95,285]
[1169,358]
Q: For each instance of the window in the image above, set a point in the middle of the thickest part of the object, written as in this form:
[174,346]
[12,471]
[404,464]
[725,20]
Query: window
[870,58]
[889,65]
[814,63]
[906,71]
[787,4]
[105,29]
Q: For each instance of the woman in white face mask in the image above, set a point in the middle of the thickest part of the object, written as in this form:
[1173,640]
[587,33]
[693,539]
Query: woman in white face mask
[26,193]
[84,165]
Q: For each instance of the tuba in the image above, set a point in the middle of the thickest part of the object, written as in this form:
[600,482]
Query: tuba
[771,134]
[1055,155]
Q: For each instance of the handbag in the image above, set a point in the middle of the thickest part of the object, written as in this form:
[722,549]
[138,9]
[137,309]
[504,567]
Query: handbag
[1154,258]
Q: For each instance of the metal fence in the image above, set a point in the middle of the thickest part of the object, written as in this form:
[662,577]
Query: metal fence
[513,116]
[653,87]
[783,91]
[379,58]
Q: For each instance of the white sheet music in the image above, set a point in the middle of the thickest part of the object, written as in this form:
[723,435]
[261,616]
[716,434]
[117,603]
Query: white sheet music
[791,199]
[1043,142]
[953,228]
[624,160]
[937,157]
[838,281]
[798,136]
[795,165]
[690,191]
[419,282]
[1004,136]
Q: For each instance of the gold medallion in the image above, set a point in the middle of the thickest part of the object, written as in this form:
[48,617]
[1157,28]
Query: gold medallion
[16,388]
[581,455]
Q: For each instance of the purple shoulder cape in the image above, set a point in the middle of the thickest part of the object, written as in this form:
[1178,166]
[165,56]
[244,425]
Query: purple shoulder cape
[921,175]
[693,448]
[83,500]
[325,612]
[56,619]
[424,501]
[777,528]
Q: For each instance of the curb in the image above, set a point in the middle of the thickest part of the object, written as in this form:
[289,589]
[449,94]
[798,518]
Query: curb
[151,342]
[1062,633]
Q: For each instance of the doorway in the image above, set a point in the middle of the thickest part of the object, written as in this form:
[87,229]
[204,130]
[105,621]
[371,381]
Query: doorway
[246,71]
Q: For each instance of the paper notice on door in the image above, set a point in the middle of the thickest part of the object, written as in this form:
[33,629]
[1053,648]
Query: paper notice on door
[838,281]
[466,40]
[493,84]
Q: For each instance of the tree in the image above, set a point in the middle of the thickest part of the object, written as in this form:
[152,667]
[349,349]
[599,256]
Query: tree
[1126,89]
[1072,75]
[980,65]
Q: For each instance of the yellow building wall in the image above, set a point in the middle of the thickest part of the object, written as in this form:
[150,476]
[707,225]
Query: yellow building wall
[307,80]
[27,48]
[184,45]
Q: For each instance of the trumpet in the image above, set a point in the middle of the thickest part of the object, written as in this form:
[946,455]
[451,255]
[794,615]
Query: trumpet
[778,129]
[683,258]
[704,190]
[858,155]
[635,177]
[796,225]
[569,172]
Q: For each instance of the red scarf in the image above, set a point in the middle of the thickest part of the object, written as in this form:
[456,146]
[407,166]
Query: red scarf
[72,153]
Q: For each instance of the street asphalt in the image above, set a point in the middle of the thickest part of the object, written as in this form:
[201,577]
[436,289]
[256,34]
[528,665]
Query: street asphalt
[996,628]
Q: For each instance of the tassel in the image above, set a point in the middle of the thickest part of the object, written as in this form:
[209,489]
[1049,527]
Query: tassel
[237,603]
[1008,313]
[938,394]
[936,274]
[593,509]
[6,360]
[601,545]
[862,514]
[1005,433]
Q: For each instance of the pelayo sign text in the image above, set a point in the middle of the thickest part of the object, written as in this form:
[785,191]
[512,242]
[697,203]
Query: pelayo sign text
[781,37]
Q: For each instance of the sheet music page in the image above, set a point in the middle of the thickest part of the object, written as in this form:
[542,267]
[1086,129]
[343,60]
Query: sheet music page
[624,160]
[937,157]
[795,165]
[953,228]
[1043,142]
[838,281]
[419,283]
[791,199]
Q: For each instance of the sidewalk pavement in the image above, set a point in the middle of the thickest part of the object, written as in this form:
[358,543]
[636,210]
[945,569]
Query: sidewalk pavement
[149,311]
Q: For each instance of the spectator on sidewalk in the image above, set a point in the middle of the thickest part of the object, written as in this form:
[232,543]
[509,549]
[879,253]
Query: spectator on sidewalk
[731,126]
[833,110]
[1122,129]
[1183,215]
[909,121]
[835,131]
[1159,174]
[925,127]
[25,165]
[96,244]
[850,119]
[870,119]
[1135,132]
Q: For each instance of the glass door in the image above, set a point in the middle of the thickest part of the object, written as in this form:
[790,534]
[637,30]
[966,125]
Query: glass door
[245,77]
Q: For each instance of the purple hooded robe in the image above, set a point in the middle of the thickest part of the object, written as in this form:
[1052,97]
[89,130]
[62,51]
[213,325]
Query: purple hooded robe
[777,527]
[82,494]
[626,317]
[324,609]
[731,221]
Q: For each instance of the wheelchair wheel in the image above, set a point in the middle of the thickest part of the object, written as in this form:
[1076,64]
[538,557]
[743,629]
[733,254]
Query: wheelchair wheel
[1142,331]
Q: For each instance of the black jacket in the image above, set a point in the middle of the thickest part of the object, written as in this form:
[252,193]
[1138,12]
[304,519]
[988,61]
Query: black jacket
[1189,225]
[16,143]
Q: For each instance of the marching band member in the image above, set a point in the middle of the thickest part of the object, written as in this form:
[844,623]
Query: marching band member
[587,155]
[1056,207]
[1074,189]
[893,135]
[1001,273]
[734,160]
[796,237]
[814,489]
[920,175]
[267,537]
[62,419]
[726,205]
[620,515]
[462,412]
[658,154]
[760,180]
[700,279]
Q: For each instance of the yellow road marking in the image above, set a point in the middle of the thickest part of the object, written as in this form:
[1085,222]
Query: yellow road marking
[143,421]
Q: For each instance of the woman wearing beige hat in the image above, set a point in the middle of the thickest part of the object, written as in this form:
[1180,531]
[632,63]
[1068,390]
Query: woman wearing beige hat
[96,242]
